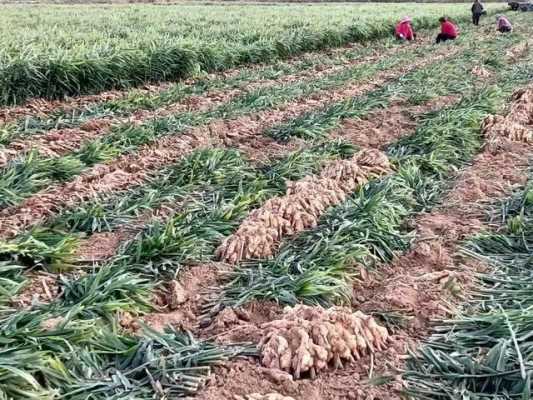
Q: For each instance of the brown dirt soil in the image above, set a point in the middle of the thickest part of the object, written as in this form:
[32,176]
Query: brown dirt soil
[41,288]
[242,377]
[58,142]
[130,170]
[419,286]
[382,127]
[42,107]
[379,128]
[179,303]
[100,246]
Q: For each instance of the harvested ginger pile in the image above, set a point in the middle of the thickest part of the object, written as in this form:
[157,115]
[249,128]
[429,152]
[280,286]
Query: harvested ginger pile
[306,200]
[516,126]
[309,339]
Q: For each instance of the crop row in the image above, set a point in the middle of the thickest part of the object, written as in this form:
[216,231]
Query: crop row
[317,267]
[105,212]
[120,206]
[122,284]
[483,350]
[26,176]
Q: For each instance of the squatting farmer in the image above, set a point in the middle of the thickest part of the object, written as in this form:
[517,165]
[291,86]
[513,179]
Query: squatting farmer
[448,31]
[503,25]
[404,30]
[477,11]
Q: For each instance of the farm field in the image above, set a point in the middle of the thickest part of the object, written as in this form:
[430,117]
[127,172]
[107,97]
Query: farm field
[314,211]
[56,51]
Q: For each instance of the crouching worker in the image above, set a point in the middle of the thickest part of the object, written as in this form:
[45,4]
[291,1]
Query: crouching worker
[448,31]
[404,30]
[503,24]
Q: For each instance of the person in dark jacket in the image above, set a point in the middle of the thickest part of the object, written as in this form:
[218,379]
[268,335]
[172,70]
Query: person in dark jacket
[448,31]
[477,11]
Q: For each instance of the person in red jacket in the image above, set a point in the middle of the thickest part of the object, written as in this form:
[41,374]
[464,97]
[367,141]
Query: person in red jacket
[448,31]
[404,30]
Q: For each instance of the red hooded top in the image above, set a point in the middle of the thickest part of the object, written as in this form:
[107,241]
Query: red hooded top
[448,28]
[404,30]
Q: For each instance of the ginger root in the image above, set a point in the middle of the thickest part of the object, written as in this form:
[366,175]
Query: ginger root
[309,339]
[301,207]
[516,126]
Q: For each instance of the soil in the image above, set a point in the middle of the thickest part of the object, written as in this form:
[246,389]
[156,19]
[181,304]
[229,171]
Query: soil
[101,246]
[383,127]
[41,288]
[180,303]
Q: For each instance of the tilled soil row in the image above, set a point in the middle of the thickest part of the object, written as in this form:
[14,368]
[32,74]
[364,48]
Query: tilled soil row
[132,169]
[376,131]
[42,107]
[418,287]
[58,142]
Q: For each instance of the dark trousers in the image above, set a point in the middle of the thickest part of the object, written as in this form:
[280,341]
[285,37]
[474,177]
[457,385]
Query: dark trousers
[442,37]
[475,18]
[504,29]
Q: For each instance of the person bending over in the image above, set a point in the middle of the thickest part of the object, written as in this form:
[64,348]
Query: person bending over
[448,31]
[503,25]
[404,30]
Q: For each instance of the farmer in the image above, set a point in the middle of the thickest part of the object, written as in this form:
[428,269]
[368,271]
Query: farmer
[477,12]
[404,30]
[503,25]
[448,31]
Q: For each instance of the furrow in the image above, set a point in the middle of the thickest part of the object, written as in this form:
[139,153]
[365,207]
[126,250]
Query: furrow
[58,142]
[251,79]
[435,268]
[129,170]
[41,107]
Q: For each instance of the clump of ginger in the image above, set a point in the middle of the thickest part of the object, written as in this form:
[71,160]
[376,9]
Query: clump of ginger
[516,126]
[309,339]
[300,208]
